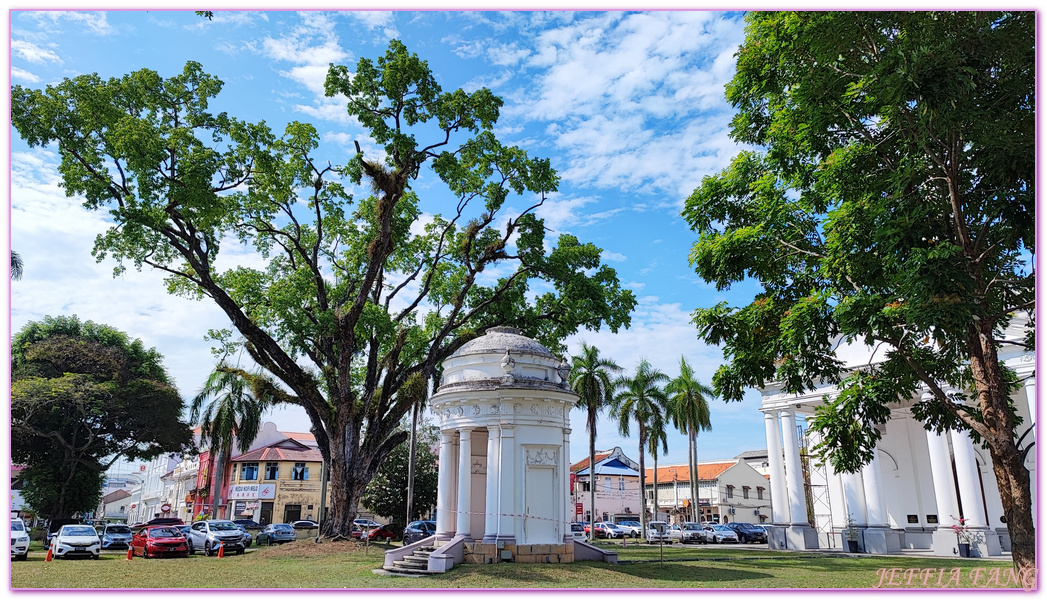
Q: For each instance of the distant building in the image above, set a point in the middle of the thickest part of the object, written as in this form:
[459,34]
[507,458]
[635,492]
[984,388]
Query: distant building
[728,491]
[617,480]
[279,483]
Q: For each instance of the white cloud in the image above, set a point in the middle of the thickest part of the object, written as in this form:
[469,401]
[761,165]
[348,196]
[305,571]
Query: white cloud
[23,75]
[94,22]
[33,53]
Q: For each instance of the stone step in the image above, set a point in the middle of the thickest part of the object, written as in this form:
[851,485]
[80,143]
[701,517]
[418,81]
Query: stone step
[400,571]
[421,560]
[413,566]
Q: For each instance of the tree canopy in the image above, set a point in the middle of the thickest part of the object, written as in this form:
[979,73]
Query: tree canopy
[887,199]
[358,299]
[84,395]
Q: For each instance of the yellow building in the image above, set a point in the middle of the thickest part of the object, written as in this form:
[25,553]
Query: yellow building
[278,483]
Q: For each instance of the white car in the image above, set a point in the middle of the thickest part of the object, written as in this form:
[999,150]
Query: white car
[693,533]
[631,528]
[76,540]
[19,540]
[722,534]
[658,531]
[578,532]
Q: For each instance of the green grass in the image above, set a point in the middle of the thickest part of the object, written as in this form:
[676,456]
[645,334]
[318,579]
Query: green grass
[688,567]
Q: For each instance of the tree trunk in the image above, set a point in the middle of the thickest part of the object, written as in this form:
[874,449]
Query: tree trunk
[643,486]
[592,474]
[410,462]
[692,443]
[654,512]
[1012,478]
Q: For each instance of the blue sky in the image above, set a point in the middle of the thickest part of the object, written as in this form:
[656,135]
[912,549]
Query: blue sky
[628,106]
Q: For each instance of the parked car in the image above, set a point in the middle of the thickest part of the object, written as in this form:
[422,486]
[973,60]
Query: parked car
[658,531]
[19,539]
[247,536]
[248,523]
[721,534]
[304,524]
[382,532]
[76,540]
[54,525]
[159,540]
[276,533]
[207,535]
[675,533]
[609,530]
[749,533]
[418,530]
[366,524]
[693,533]
[115,536]
[631,528]
[578,531]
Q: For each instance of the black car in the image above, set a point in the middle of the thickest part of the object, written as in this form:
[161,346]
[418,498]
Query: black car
[418,530]
[248,523]
[749,533]
[54,525]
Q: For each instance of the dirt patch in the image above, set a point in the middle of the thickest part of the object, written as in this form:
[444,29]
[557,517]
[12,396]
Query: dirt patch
[310,548]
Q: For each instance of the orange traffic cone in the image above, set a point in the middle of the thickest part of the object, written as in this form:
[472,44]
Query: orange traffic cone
[221,550]
[130,552]
[50,555]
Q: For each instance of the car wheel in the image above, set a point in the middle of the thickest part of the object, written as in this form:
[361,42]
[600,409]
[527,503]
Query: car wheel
[23,556]
[208,550]
[189,547]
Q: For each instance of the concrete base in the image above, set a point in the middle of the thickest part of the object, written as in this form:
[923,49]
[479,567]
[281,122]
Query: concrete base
[881,540]
[1005,539]
[798,537]
[985,543]
[479,553]
[775,537]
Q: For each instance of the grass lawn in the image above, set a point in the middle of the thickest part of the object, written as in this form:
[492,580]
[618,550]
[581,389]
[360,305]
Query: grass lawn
[304,564]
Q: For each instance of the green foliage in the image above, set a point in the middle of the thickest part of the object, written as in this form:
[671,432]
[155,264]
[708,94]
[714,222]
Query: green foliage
[386,495]
[355,297]
[82,396]
[888,201]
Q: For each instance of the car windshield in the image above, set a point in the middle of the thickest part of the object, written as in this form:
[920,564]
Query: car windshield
[164,532]
[721,528]
[224,526]
[691,527]
[17,526]
[118,529]
[78,530]
[282,527]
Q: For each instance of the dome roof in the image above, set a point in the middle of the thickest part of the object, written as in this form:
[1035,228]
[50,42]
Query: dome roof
[498,340]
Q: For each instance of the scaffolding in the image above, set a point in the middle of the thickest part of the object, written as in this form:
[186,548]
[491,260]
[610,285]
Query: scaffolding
[816,492]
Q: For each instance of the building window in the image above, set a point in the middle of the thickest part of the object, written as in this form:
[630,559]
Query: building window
[300,472]
[249,472]
[585,486]
[606,484]
[759,493]
[730,491]
[272,471]
[745,492]
[621,484]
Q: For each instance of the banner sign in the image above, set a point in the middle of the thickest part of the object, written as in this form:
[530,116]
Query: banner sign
[243,492]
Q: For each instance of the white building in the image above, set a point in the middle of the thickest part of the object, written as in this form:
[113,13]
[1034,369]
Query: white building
[908,497]
[728,491]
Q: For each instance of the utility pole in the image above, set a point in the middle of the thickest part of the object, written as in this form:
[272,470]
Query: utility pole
[410,461]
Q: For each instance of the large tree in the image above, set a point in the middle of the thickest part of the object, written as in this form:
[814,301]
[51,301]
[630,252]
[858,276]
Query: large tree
[689,411]
[642,400]
[83,396]
[888,201]
[359,299]
[592,378]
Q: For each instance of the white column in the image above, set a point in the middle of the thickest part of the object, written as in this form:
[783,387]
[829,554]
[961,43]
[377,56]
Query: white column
[507,488]
[465,480]
[854,497]
[779,506]
[793,471]
[967,477]
[445,489]
[565,488]
[1030,397]
[875,500]
[494,437]
[941,476]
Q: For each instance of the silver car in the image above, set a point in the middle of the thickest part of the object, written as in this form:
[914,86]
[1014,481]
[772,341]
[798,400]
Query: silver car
[209,535]
[115,536]
[693,533]
[76,540]
[658,531]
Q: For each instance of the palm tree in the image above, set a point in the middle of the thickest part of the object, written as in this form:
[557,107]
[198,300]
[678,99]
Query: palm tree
[591,379]
[641,399]
[689,411]
[234,415]
[16,265]
[656,437]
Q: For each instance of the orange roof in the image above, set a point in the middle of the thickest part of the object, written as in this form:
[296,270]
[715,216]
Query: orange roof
[706,471]
[584,463]
[300,436]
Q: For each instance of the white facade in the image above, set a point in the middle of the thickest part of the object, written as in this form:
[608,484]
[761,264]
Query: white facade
[503,408]
[908,497]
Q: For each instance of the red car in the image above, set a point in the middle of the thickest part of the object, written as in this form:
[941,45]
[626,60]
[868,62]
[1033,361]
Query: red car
[159,540]
[385,532]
